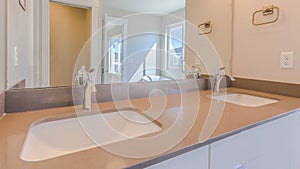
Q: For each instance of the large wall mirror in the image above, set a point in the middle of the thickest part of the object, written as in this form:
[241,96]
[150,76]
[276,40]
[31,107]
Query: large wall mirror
[124,41]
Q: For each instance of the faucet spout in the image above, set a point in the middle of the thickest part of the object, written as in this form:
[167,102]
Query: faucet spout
[230,77]
[89,88]
[85,78]
[218,78]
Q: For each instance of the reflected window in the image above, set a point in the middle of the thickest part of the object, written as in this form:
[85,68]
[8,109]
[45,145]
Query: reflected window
[175,45]
[115,54]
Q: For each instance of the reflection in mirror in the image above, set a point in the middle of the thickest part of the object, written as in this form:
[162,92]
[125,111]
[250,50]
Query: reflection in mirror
[142,45]
[44,41]
[69,30]
[125,41]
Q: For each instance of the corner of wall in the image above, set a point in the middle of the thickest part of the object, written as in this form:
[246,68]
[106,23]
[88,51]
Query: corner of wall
[3,25]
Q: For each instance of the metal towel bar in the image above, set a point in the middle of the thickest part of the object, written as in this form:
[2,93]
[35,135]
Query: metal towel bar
[269,10]
[23,5]
[206,25]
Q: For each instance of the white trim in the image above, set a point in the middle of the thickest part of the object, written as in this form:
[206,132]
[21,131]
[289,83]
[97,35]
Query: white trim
[3,57]
[94,5]
[80,3]
[96,38]
[114,21]
[36,38]
[31,79]
[181,23]
[45,59]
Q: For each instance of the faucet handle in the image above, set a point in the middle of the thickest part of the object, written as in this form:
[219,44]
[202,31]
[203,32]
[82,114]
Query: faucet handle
[218,72]
[89,73]
[81,75]
[92,70]
[196,67]
[229,76]
[222,68]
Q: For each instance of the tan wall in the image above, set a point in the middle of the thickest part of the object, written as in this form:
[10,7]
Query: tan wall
[257,49]
[220,13]
[69,31]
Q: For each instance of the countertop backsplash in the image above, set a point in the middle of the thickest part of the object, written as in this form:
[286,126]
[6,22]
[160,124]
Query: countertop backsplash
[45,98]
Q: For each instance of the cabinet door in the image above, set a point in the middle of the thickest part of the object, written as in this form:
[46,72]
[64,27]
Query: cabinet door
[196,159]
[263,147]
[296,142]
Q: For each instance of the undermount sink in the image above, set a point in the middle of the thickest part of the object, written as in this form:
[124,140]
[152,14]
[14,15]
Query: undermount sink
[53,138]
[244,99]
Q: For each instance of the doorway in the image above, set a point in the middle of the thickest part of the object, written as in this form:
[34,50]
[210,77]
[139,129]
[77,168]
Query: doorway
[70,28]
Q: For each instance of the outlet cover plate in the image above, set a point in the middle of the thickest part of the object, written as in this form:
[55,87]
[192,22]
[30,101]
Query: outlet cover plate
[287,60]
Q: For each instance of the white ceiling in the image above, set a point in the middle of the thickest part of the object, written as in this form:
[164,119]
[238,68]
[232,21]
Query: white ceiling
[157,6]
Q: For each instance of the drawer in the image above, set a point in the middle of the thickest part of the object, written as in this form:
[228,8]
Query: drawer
[196,159]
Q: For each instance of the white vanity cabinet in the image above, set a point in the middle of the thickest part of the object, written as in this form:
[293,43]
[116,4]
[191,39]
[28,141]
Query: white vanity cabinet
[196,159]
[295,146]
[274,145]
[264,147]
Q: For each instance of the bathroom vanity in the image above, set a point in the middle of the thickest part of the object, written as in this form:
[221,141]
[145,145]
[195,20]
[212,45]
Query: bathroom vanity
[245,136]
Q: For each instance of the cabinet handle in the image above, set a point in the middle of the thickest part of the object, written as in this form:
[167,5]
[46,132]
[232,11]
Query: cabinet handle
[241,167]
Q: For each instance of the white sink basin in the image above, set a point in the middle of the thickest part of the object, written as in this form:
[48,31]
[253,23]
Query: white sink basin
[245,99]
[51,139]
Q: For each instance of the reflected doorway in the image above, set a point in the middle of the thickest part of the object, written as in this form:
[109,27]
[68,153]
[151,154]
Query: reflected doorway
[70,28]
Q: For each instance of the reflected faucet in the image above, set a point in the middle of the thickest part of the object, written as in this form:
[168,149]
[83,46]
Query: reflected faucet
[89,88]
[220,73]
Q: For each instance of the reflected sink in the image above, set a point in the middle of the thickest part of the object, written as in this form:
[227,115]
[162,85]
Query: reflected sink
[244,99]
[53,138]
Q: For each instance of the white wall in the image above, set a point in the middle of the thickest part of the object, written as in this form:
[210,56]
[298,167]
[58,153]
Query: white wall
[220,13]
[257,49]
[18,43]
[2,43]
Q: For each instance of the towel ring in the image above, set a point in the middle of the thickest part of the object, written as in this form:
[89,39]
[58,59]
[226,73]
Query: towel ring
[266,11]
[23,6]
[206,25]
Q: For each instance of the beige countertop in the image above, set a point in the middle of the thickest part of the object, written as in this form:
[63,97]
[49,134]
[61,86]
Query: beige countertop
[14,127]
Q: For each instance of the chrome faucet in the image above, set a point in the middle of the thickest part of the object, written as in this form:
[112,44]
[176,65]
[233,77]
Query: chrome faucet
[89,88]
[217,80]
[197,71]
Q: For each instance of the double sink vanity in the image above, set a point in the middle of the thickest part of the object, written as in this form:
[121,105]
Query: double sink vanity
[60,138]
[147,102]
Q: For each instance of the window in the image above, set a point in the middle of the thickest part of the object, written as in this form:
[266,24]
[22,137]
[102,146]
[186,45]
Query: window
[175,46]
[115,54]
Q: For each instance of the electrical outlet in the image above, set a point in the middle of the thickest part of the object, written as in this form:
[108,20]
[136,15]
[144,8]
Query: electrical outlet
[16,58]
[287,60]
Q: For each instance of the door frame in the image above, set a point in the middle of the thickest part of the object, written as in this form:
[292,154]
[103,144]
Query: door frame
[94,5]
[110,20]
